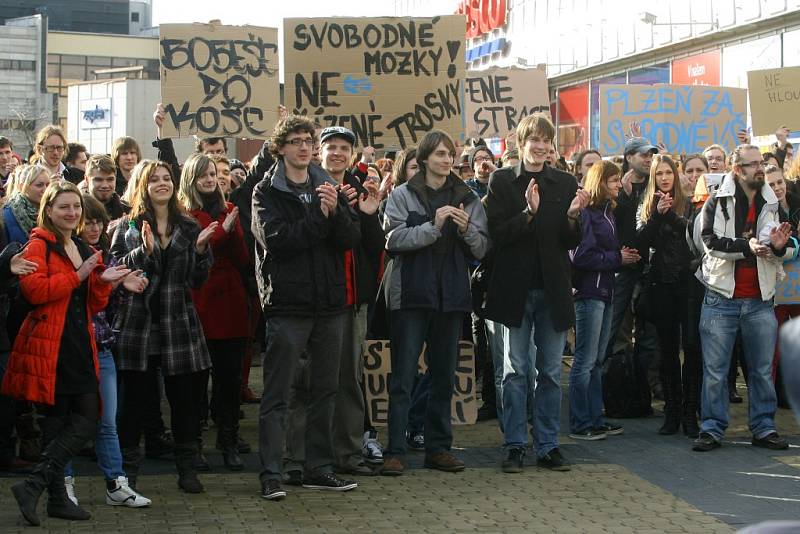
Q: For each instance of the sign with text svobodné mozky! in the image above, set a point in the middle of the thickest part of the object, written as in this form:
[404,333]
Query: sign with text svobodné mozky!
[219,80]
[774,99]
[390,79]
[497,99]
[685,118]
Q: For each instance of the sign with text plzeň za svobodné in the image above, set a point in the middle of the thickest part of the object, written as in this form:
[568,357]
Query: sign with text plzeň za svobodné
[390,80]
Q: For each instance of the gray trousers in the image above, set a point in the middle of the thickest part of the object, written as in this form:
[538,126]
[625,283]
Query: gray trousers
[287,338]
[348,421]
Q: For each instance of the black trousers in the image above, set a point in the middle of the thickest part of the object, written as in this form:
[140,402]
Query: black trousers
[56,417]
[226,373]
[7,416]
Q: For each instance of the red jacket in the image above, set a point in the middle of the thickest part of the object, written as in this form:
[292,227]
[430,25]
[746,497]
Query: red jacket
[31,373]
[221,302]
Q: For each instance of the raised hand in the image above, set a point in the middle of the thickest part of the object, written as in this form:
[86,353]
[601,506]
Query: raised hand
[158,117]
[635,129]
[349,193]
[147,238]
[578,203]
[441,216]
[743,137]
[135,282]
[460,217]
[629,255]
[204,236]
[664,203]
[368,203]
[328,199]
[115,274]
[88,266]
[758,249]
[282,112]
[21,266]
[780,235]
[368,155]
[230,220]
[532,196]
[627,184]
[782,135]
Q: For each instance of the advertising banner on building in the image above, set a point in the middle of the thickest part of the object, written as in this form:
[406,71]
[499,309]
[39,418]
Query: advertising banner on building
[700,69]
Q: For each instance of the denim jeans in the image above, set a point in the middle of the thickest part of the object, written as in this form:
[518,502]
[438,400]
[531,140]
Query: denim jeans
[419,403]
[440,333]
[109,457]
[519,364]
[592,330]
[720,319]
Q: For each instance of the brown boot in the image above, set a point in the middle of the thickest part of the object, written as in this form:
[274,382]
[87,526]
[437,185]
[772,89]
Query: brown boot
[392,467]
[444,461]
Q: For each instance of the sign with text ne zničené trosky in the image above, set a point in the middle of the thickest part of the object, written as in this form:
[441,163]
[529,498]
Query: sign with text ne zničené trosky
[686,118]
[219,81]
[774,99]
[388,79]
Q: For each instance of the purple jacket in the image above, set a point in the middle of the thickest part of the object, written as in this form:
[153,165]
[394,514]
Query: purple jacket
[597,256]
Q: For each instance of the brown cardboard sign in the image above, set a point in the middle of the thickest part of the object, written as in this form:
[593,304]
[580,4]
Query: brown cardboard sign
[219,81]
[685,118]
[390,79]
[787,291]
[774,99]
[378,368]
[496,99]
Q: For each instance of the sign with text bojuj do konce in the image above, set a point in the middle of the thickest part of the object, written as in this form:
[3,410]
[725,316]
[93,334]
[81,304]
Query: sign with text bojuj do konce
[219,81]
[378,368]
[389,79]
[686,118]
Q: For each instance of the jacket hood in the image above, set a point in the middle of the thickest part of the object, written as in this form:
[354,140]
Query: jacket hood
[461,191]
[316,173]
[728,189]
[46,235]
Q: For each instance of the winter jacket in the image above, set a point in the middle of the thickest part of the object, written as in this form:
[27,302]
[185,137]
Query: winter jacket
[663,237]
[14,232]
[183,347]
[514,238]
[115,207]
[625,215]
[723,219]
[299,251]
[31,373]
[411,237]
[221,302]
[597,256]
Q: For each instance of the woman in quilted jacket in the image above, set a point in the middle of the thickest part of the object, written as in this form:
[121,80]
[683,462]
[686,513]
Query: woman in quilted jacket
[160,327]
[54,358]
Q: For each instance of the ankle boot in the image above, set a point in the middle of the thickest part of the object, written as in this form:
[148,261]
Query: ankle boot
[672,407]
[228,440]
[131,459]
[185,454]
[691,402]
[59,504]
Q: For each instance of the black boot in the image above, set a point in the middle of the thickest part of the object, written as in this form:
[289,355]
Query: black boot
[59,505]
[200,460]
[228,441]
[131,459]
[65,445]
[185,454]
[691,405]
[672,406]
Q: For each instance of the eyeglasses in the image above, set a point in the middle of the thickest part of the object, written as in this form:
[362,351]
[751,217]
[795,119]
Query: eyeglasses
[753,164]
[715,158]
[481,159]
[53,148]
[300,141]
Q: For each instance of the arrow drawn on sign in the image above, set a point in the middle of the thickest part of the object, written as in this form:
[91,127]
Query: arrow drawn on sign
[356,85]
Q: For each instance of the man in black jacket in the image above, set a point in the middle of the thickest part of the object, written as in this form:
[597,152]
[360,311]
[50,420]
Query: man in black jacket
[534,219]
[302,228]
[101,177]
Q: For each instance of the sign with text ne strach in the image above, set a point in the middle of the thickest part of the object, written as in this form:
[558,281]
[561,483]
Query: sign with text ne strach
[686,118]
[496,99]
[774,99]
[378,369]
[390,79]
[219,81]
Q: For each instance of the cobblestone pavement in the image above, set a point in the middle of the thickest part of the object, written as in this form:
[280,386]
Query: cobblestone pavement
[637,482]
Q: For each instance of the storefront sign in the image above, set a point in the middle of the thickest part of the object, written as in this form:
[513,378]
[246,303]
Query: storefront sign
[701,69]
[483,16]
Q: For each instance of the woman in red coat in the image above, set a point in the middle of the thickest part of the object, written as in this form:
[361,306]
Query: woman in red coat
[221,302]
[54,359]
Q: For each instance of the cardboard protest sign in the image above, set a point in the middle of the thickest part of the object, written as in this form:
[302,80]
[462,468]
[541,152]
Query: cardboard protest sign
[774,99]
[787,291]
[219,81]
[686,118]
[496,99]
[378,367]
[390,80]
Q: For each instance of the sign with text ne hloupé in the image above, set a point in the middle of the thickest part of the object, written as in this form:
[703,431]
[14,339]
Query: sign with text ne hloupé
[390,79]
[219,81]
[774,99]
[685,118]
[496,99]
[378,369]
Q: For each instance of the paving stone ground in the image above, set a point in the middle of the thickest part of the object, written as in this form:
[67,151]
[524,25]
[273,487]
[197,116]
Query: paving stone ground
[639,482]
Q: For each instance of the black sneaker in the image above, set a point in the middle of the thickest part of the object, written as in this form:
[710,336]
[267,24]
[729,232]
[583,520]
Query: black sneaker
[272,490]
[590,434]
[705,442]
[771,441]
[416,442]
[328,481]
[293,478]
[513,463]
[553,461]
[610,430]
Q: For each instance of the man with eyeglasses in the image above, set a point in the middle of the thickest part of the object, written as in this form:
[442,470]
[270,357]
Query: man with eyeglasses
[302,227]
[745,243]
[7,160]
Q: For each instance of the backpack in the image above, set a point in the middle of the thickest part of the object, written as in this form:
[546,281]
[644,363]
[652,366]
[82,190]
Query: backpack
[626,392]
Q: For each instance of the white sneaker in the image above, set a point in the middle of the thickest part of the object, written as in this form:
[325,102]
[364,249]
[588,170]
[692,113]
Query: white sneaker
[69,484]
[372,451]
[123,495]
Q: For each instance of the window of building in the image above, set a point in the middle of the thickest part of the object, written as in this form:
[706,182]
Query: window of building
[134,17]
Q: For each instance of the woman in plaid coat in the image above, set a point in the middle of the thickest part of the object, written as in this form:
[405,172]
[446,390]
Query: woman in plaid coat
[160,326]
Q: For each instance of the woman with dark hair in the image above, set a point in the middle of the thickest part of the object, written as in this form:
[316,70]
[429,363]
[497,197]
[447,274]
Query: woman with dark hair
[661,221]
[221,302]
[692,168]
[54,359]
[160,327]
[594,262]
[584,162]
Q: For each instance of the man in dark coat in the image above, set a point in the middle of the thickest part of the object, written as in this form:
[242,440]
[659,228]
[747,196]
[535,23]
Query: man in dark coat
[534,219]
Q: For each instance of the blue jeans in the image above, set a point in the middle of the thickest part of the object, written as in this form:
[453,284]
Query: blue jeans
[592,330]
[720,319]
[109,457]
[419,403]
[520,361]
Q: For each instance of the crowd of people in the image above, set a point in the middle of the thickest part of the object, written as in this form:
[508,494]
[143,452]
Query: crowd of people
[127,278]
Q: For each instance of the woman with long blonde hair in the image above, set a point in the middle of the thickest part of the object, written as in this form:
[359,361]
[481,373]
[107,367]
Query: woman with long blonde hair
[21,209]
